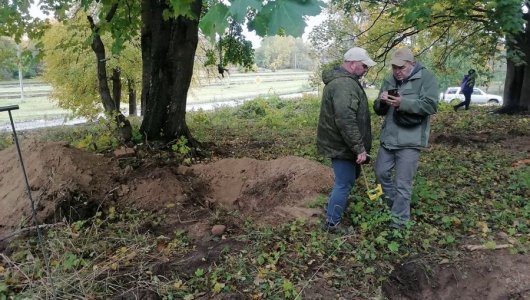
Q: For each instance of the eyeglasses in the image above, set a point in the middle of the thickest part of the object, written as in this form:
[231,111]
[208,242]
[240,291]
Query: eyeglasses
[365,66]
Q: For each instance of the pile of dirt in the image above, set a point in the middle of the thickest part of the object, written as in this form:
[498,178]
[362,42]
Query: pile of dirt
[74,184]
[482,275]
[65,183]
[275,190]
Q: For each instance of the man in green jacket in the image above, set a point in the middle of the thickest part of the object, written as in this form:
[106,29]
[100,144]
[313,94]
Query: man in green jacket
[344,132]
[405,129]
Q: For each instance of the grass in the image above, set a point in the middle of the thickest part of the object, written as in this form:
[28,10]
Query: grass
[33,108]
[37,105]
[464,190]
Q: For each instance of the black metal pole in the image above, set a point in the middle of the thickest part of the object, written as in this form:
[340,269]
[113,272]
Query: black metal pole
[28,190]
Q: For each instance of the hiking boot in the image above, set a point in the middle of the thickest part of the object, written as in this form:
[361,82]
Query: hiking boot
[335,228]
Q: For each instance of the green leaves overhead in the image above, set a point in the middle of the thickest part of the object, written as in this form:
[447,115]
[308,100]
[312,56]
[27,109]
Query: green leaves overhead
[278,16]
[15,19]
[215,21]
[238,9]
[182,8]
[285,16]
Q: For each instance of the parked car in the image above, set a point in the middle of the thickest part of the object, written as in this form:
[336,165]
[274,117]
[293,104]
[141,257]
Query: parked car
[453,94]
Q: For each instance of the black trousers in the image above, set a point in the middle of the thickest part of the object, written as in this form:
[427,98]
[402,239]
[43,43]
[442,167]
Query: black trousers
[466,102]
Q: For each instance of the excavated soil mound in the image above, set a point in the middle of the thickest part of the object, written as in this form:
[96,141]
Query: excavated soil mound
[72,184]
[274,190]
[484,275]
[65,183]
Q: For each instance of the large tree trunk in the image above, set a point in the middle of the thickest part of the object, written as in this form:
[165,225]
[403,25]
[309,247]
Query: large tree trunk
[517,83]
[168,51]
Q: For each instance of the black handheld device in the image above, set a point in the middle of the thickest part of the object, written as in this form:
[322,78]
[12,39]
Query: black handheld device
[393,92]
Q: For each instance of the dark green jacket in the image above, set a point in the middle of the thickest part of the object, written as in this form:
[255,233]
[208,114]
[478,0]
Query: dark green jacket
[344,129]
[419,95]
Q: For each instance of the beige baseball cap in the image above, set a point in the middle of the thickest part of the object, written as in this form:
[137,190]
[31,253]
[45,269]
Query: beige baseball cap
[359,54]
[401,56]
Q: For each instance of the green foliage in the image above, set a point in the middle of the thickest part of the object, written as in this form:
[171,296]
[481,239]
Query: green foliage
[448,36]
[101,138]
[8,58]
[215,21]
[270,19]
[277,52]
[13,54]
[469,184]
[277,17]
[182,149]
[71,66]
[102,246]
[237,50]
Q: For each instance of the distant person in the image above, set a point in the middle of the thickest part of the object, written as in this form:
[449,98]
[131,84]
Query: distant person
[408,96]
[344,133]
[221,69]
[467,85]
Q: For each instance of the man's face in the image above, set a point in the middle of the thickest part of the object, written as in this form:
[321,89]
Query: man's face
[358,68]
[402,72]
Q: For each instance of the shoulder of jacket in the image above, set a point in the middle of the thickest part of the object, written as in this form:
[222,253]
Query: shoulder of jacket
[389,80]
[348,80]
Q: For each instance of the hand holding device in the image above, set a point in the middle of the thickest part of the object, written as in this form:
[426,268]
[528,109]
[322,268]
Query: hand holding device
[393,92]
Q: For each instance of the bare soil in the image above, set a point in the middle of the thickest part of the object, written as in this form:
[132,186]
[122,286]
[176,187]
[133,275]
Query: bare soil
[71,184]
[493,274]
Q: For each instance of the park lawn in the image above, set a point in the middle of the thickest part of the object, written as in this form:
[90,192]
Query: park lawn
[470,187]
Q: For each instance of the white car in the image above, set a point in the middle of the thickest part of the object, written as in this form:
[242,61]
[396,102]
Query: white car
[453,94]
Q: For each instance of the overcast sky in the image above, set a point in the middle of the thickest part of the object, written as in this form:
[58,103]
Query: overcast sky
[311,22]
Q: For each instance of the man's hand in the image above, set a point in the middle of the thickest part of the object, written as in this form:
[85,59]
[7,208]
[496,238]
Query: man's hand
[394,101]
[361,158]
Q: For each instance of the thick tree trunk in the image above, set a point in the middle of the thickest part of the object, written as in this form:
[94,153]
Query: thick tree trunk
[517,83]
[168,51]
[132,97]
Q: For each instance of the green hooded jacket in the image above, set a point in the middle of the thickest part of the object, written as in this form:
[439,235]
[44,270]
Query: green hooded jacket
[419,95]
[344,129]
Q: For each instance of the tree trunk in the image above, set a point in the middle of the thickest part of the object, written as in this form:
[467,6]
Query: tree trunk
[168,51]
[517,83]
[103,86]
[116,87]
[132,97]
[111,106]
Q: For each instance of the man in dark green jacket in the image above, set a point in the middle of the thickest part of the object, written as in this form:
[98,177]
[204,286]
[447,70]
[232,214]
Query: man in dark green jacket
[344,132]
[413,97]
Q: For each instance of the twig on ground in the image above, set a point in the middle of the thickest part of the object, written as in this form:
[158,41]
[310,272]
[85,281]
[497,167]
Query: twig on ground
[26,229]
[485,247]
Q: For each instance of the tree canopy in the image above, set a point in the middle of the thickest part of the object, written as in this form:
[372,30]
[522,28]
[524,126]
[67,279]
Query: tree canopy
[168,31]
[449,35]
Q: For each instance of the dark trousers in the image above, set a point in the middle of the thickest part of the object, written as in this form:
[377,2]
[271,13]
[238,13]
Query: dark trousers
[467,100]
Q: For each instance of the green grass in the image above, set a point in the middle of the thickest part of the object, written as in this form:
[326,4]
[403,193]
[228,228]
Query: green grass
[244,86]
[34,108]
[463,191]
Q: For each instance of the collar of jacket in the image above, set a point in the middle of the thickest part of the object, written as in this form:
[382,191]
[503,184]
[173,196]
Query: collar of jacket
[356,77]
